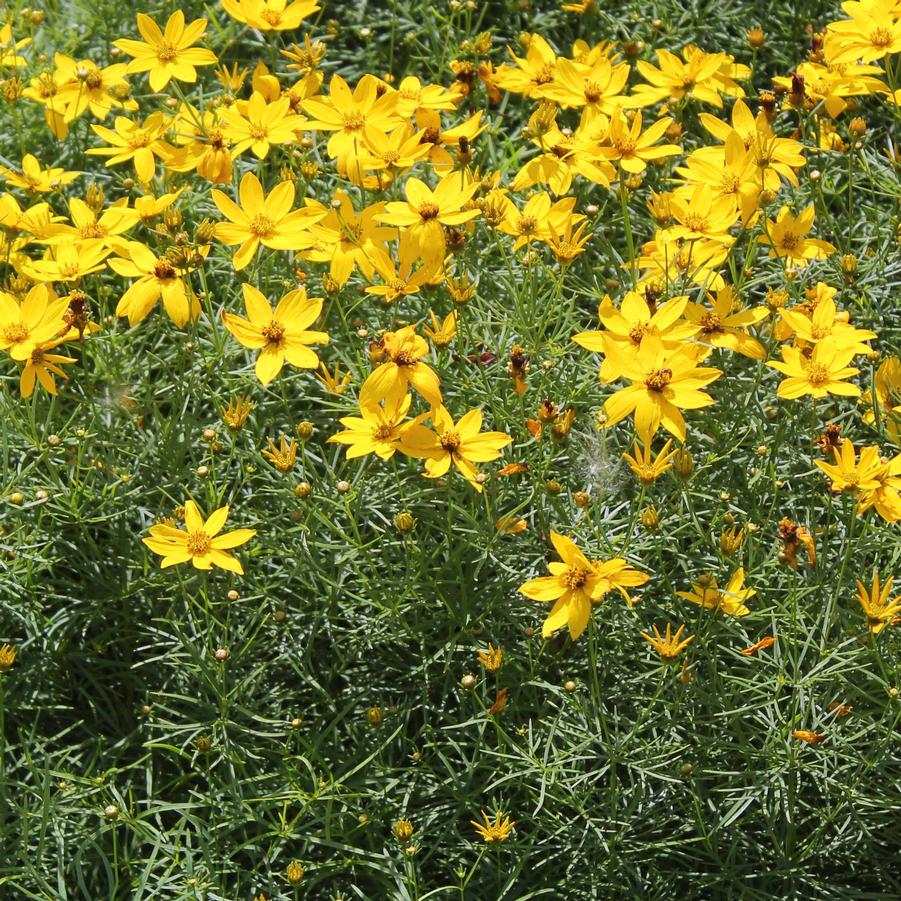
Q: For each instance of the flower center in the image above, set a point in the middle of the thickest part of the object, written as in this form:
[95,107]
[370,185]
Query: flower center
[817,374]
[625,146]
[15,333]
[403,358]
[166,52]
[789,241]
[710,322]
[353,121]
[262,226]
[527,225]
[94,230]
[638,333]
[730,183]
[592,92]
[545,74]
[163,270]
[450,441]
[258,132]
[659,379]
[272,16]
[881,37]
[429,211]
[94,80]
[274,332]
[383,433]
[574,577]
[696,222]
[198,543]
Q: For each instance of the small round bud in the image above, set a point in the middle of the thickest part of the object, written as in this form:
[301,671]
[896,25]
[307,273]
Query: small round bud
[857,127]
[343,487]
[204,744]
[582,499]
[650,518]
[146,710]
[763,450]
[17,498]
[893,692]
[305,430]
[725,496]
[221,655]
[686,769]
[756,38]
[279,616]
[303,489]
[296,722]
[404,522]
[41,495]
[375,716]
[553,487]
[728,519]
[54,440]
[683,463]
[209,434]
[233,595]
[294,872]
[203,471]
[111,811]
[468,682]
[403,830]
[569,686]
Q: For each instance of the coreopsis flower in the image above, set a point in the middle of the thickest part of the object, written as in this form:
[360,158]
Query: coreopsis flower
[628,326]
[793,538]
[335,382]
[443,331]
[878,609]
[531,74]
[356,119]
[279,335]
[39,318]
[283,455]
[202,146]
[576,583]
[647,468]
[704,215]
[886,499]
[462,443]
[722,325]
[348,240]
[731,540]
[872,32]
[822,373]
[259,125]
[702,76]
[664,382]
[95,225]
[492,659]
[425,212]
[775,158]
[567,243]
[139,142]
[668,646]
[33,178]
[236,413]
[9,48]
[850,475]
[787,237]
[68,262]
[496,832]
[403,368]
[156,278]
[263,220]
[169,54]
[730,600]
[388,155]
[41,366]
[537,221]
[86,86]
[632,149]
[271,15]
[379,429]
[595,89]
[7,658]
[824,321]
[200,542]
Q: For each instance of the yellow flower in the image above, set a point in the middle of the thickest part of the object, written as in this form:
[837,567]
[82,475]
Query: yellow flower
[809,737]
[722,325]
[575,584]
[169,54]
[462,443]
[87,86]
[632,149]
[34,178]
[824,321]
[849,474]
[730,600]
[668,646]
[334,383]
[282,457]
[648,470]
[201,543]
[89,225]
[442,333]
[139,142]
[271,15]
[494,833]
[280,335]
[872,32]
[38,319]
[236,413]
[263,220]
[425,212]
[886,498]
[260,125]
[156,278]
[404,367]
[492,659]
[787,237]
[821,374]
[878,609]
[702,215]
[595,88]
[7,657]
[69,262]
[702,76]
[378,430]
[664,382]
[41,366]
